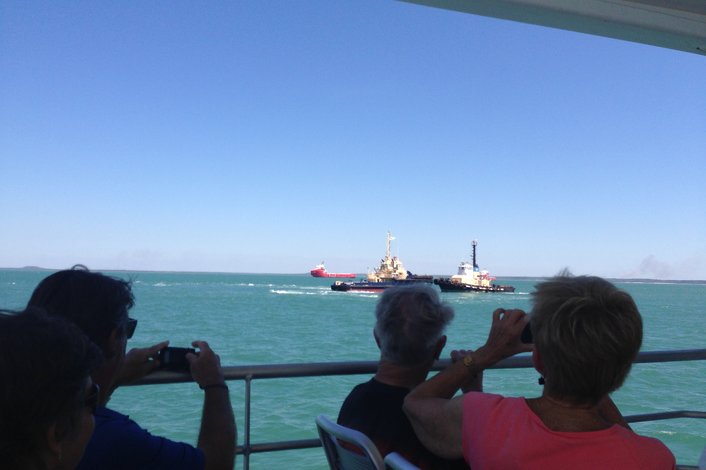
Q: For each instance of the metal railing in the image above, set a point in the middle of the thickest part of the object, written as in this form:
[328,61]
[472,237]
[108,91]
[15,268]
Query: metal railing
[248,373]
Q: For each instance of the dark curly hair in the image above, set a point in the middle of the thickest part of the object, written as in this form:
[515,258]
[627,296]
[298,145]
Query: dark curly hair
[95,302]
[45,363]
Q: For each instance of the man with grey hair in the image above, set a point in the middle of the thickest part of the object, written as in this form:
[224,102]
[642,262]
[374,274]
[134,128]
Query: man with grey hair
[409,330]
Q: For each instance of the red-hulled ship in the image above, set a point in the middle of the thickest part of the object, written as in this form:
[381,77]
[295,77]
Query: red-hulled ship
[320,271]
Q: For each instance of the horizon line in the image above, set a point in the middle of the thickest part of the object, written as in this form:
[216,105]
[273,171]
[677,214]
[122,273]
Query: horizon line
[305,273]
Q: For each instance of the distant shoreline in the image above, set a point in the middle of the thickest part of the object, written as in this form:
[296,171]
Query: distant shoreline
[525,278]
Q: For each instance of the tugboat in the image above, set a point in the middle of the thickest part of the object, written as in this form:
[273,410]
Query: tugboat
[390,273]
[320,271]
[471,279]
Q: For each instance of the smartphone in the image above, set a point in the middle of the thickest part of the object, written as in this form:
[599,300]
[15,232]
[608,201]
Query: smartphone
[174,359]
[526,335]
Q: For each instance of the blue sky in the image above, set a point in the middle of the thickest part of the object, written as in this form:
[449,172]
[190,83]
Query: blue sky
[266,136]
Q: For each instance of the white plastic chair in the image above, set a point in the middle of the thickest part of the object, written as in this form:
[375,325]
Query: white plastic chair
[359,452]
[395,461]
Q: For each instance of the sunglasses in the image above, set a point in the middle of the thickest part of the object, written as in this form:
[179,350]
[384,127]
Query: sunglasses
[130,327]
[91,400]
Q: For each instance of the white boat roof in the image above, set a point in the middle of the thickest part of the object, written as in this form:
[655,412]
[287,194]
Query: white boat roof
[673,24]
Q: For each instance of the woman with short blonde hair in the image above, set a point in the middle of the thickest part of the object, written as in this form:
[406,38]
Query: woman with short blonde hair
[586,335]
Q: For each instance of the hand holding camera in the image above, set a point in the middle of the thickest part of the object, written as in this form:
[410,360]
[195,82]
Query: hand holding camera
[504,339]
[174,359]
[138,363]
[206,365]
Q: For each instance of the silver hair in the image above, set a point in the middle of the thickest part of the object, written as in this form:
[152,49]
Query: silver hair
[410,321]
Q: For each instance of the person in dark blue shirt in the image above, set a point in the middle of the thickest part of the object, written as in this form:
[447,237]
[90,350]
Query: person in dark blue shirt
[99,305]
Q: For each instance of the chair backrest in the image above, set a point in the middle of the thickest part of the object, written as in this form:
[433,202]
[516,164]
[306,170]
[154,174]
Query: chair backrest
[395,461]
[347,449]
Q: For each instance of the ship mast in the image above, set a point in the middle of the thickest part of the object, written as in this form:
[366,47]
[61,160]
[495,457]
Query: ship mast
[475,265]
[389,239]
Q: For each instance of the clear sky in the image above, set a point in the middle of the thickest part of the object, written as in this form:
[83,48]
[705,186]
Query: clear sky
[266,136]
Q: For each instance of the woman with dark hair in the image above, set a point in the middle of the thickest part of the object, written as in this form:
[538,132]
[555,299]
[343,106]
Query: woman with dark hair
[47,397]
[586,335]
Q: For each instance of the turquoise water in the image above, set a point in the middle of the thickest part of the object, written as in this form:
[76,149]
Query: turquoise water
[271,318]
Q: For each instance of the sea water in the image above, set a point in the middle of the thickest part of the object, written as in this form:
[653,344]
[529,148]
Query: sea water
[273,318]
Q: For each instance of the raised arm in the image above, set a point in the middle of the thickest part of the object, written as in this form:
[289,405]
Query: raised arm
[474,382]
[436,417]
[217,436]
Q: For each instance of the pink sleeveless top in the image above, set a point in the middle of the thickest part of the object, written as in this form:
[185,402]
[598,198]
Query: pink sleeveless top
[503,433]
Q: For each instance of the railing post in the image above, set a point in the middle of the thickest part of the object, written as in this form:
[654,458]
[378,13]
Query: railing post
[246,437]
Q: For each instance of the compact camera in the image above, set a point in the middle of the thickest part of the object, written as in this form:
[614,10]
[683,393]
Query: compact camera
[526,335]
[174,359]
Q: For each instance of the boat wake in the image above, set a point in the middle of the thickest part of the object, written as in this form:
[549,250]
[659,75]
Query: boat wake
[290,292]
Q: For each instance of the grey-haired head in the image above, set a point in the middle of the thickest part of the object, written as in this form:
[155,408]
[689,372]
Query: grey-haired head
[410,322]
